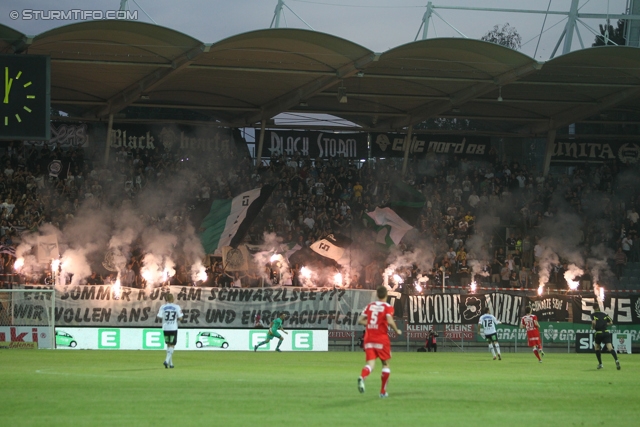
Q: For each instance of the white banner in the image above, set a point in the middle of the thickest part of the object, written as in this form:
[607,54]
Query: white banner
[104,306]
[209,339]
[622,343]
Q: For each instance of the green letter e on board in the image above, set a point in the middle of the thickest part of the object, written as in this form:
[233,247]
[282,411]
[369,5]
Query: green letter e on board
[108,338]
[302,340]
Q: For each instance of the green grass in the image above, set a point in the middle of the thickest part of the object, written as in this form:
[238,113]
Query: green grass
[132,388]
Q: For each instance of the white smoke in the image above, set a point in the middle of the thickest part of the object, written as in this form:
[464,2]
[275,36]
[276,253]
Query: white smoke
[571,274]
[74,264]
[270,255]
[546,263]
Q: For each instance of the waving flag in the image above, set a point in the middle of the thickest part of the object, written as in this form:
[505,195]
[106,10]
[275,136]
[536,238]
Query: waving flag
[229,219]
[7,249]
[391,228]
[406,201]
[322,254]
[331,246]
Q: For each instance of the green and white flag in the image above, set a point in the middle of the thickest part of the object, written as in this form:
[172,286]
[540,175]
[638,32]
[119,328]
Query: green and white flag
[229,219]
[390,227]
[406,201]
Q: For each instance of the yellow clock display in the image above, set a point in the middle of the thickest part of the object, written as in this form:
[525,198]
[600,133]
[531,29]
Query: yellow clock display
[25,97]
[8,84]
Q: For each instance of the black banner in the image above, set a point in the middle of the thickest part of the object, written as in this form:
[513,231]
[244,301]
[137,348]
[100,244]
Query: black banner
[183,139]
[315,144]
[584,342]
[392,145]
[623,310]
[396,301]
[173,138]
[464,309]
[581,151]
[65,135]
[550,308]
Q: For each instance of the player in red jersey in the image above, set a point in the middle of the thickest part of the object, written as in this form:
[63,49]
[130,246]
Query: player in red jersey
[377,317]
[530,322]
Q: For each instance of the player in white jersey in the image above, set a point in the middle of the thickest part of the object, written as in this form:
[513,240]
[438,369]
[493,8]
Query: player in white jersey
[170,314]
[487,329]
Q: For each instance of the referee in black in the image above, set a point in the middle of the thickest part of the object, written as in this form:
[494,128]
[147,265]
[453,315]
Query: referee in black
[600,322]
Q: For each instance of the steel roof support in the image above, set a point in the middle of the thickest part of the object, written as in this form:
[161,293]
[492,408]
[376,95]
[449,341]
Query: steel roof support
[425,22]
[260,144]
[132,93]
[407,148]
[573,15]
[438,107]
[572,115]
[570,27]
[548,153]
[293,98]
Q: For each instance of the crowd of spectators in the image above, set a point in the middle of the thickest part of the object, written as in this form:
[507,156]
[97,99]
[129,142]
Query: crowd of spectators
[484,217]
[163,187]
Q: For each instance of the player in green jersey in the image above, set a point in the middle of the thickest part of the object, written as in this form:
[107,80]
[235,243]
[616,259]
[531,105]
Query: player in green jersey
[274,327]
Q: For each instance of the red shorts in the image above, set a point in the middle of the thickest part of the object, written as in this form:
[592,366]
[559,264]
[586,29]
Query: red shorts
[374,350]
[534,338]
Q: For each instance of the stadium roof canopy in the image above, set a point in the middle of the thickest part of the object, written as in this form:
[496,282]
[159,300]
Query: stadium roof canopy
[140,71]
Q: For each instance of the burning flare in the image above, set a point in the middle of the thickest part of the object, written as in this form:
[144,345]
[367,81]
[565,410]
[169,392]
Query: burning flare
[598,291]
[168,273]
[337,278]
[146,275]
[305,273]
[18,264]
[473,286]
[116,289]
[198,272]
[573,285]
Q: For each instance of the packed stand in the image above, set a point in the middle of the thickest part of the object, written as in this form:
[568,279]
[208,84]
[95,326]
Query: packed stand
[468,205]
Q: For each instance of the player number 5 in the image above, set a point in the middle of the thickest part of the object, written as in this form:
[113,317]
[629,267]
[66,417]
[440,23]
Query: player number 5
[374,315]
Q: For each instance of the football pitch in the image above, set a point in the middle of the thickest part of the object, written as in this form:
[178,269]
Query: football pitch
[132,388]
